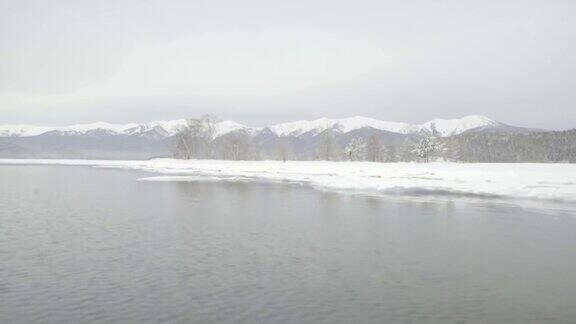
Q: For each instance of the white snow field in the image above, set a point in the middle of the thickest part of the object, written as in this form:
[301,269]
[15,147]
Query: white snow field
[530,182]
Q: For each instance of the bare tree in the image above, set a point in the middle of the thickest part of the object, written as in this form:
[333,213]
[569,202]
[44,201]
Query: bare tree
[237,147]
[283,148]
[328,148]
[374,148]
[390,153]
[194,140]
[183,148]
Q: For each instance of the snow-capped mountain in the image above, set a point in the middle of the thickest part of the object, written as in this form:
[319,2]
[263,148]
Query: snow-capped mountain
[156,139]
[164,129]
[160,128]
[445,127]
[343,125]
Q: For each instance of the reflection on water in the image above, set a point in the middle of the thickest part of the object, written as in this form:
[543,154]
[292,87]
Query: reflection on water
[82,245]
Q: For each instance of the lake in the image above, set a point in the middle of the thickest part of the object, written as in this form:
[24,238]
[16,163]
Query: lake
[79,244]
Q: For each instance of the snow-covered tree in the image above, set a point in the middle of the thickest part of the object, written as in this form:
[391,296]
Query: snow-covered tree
[356,149]
[426,145]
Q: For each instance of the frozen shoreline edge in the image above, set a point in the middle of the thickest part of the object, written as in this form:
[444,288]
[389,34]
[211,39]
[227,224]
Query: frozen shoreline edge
[554,183]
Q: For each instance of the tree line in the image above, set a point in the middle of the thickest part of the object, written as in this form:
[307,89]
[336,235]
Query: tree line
[537,147]
[198,140]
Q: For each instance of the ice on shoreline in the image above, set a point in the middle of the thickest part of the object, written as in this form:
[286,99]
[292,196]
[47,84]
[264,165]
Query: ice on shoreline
[552,182]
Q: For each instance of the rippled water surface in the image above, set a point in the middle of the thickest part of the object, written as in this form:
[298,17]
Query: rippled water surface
[79,244]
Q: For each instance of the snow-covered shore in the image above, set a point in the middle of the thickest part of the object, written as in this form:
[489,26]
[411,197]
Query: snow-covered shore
[550,182]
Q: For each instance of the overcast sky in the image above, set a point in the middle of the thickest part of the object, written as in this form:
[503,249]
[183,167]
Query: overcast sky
[266,61]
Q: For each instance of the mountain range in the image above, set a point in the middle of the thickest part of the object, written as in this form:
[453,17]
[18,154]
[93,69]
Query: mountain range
[155,139]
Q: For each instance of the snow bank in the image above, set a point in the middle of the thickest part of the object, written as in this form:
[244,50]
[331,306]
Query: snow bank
[552,182]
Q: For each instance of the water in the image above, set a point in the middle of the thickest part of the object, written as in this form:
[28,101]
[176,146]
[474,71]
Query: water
[79,244]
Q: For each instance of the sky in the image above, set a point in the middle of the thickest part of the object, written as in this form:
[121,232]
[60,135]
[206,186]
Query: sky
[261,62]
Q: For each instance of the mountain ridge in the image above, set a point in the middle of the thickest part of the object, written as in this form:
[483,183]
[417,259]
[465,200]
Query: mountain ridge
[167,128]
